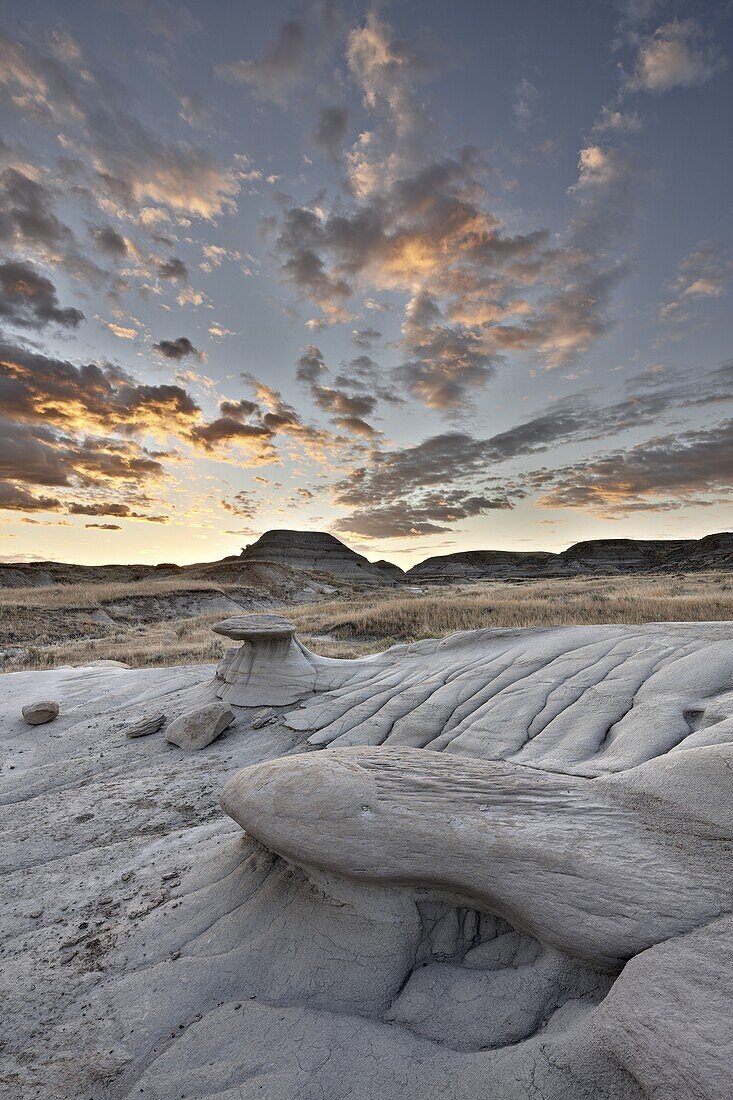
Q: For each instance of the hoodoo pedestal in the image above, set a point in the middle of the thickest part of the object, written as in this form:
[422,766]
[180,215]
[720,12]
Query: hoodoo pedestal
[270,667]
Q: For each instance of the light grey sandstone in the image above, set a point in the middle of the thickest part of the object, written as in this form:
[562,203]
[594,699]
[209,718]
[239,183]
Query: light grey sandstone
[37,714]
[491,867]
[145,725]
[198,728]
[270,667]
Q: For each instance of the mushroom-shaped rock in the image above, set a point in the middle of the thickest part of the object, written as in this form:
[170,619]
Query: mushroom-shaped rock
[270,668]
[36,714]
[198,728]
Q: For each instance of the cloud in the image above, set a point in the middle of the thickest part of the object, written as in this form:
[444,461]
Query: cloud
[444,478]
[172,268]
[15,499]
[418,489]
[663,473]
[123,332]
[253,426]
[366,337]
[281,69]
[347,409]
[134,167]
[311,365]
[109,241]
[194,111]
[242,504]
[41,455]
[607,194]
[387,69]
[337,401]
[103,526]
[255,438]
[524,108]
[704,273]
[430,516]
[177,349]
[111,508]
[239,410]
[330,132]
[677,55]
[445,361]
[425,235]
[38,388]
[75,427]
[30,300]
[190,297]
[356,425]
[363,374]
[219,331]
[30,226]
[419,226]
[40,86]
[281,417]
[618,122]
[127,165]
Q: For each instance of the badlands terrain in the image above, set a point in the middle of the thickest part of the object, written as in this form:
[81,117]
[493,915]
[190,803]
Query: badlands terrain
[491,864]
[52,613]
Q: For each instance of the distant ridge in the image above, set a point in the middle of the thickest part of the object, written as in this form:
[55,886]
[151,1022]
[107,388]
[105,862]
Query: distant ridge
[599,556]
[290,554]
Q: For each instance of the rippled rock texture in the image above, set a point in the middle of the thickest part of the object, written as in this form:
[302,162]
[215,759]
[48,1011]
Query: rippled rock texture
[495,866]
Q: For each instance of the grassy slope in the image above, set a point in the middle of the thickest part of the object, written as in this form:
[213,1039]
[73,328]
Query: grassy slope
[32,620]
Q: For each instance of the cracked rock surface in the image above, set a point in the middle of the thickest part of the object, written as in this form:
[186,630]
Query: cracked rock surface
[495,867]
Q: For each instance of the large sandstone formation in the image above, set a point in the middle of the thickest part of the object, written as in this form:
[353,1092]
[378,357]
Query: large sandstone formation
[321,552]
[492,867]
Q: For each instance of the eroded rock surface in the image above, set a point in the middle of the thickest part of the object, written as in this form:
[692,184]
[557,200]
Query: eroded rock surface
[575,700]
[446,902]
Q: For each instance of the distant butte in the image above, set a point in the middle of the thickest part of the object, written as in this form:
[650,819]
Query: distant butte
[319,551]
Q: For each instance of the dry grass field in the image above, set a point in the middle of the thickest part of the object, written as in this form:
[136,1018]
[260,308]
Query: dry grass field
[45,627]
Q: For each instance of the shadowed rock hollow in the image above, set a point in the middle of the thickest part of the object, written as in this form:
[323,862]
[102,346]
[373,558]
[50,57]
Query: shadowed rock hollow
[496,865]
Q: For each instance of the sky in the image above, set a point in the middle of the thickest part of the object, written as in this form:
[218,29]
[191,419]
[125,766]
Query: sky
[431,275]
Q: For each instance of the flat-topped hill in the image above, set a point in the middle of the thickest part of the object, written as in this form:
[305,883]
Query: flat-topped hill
[319,551]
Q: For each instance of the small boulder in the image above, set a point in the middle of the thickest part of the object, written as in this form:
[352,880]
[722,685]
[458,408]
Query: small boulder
[198,728]
[263,718]
[147,723]
[36,714]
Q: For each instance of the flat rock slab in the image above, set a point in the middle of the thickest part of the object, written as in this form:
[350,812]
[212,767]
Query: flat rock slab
[255,628]
[198,728]
[37,714]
